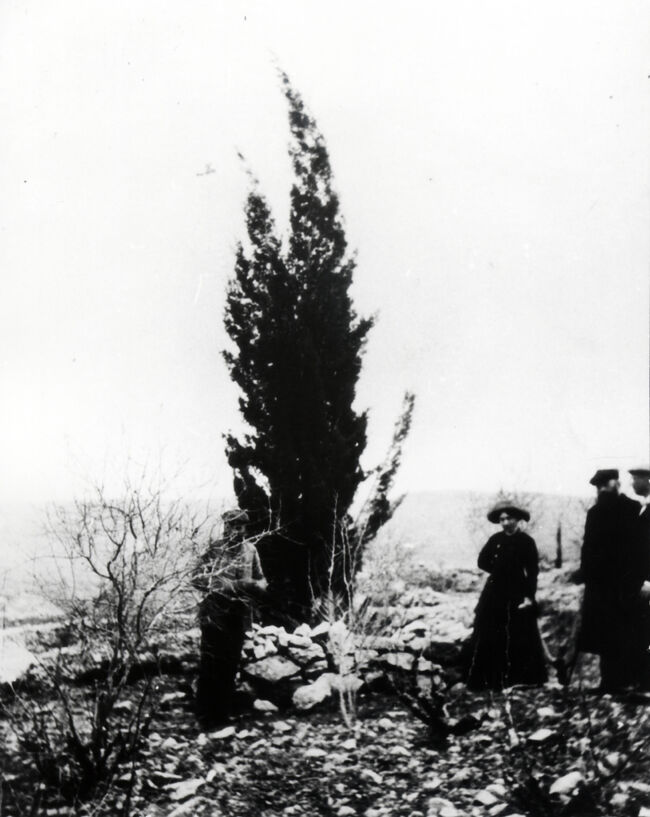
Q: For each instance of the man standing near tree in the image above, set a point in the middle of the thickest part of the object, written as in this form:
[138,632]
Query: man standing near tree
[613,575]
[231,576]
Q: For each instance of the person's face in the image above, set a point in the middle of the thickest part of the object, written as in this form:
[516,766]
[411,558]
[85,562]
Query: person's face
[237,530]
[641,484]
[508,522]
[609,487]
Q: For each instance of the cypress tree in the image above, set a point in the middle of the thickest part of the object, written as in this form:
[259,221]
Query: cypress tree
[296,355]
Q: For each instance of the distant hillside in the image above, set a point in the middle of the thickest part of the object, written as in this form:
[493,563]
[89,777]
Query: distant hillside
[447,529]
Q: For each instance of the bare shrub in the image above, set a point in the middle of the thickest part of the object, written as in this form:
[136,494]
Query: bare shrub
[120,575]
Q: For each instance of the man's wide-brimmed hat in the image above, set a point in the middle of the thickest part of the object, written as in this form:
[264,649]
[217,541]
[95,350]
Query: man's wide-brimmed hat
[509,508]
[603,476]
[641,471]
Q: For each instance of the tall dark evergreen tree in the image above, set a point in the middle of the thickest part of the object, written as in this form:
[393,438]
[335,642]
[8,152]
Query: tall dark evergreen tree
[297,353]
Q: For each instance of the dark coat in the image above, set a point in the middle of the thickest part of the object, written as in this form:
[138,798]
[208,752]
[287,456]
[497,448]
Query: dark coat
[505,647]
[513,565]
[613,566]
[643,524]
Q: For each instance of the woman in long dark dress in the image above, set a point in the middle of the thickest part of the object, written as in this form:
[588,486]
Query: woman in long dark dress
[505,647]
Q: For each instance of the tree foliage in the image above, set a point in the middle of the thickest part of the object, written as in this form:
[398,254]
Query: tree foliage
[296,355]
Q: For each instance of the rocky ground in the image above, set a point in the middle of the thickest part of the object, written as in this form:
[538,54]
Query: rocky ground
[542,751]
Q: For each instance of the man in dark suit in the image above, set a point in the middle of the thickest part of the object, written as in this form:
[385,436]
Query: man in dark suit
[612,569]
[641,487]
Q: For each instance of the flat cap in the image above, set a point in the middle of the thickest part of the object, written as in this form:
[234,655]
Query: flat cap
[603,476]
[641,471]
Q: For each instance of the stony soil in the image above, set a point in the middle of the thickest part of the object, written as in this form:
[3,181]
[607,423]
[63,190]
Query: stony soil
[548,751]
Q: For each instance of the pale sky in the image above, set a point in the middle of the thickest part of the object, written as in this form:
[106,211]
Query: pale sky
[493,166]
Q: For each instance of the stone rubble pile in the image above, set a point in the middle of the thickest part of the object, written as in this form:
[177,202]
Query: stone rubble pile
[309,665]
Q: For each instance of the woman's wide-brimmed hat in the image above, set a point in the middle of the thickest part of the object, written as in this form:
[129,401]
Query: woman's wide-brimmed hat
[509,508]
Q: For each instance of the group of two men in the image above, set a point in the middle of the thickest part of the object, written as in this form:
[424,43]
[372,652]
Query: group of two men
[615,563]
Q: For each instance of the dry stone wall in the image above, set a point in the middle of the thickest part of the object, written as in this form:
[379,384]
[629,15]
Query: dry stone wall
[420,638]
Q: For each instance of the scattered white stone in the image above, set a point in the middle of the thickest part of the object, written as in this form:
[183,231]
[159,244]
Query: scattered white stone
[401,660]
[309,695]
[424,666]
[349,744]
[299,641]
[498,789]
[485,798]
[282,726]
[272,669]
[315,752]
[260,651]
[185,789]
[495,811]
[369,774]
[385,724]
[262,705]
[303,630]
[644,811]
[222,734]
[399,750]
[439,807]
[217,769]
[170,744]
[431,784]
[345,811]
[305,655]
[619,800]
[168,697]
[166,778]
[567,783]
[124,706]
[547,713]
[271,629]
[541,735]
